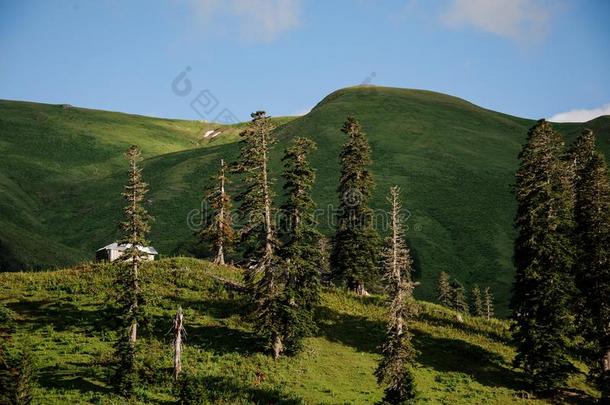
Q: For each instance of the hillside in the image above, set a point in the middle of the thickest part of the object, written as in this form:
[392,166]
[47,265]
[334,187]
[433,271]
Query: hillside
[62,172]
[64,315]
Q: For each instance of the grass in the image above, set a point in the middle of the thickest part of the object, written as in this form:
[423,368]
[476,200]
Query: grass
[62,172]
[64,315]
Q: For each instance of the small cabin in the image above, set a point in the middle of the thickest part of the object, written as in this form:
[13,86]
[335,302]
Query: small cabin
[115,250]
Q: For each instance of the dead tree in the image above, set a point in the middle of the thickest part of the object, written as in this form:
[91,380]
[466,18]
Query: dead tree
[179,336]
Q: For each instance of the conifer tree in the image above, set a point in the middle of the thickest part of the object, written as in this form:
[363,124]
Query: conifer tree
[395,370]
[544,286]
[443,290]
[266,269]
[23,378]
[592,266]
[299,249]
[458,297]
[477,301]
[355,247]
[255,210]
[488,303]
[6,364]
[135,228]
[217,231]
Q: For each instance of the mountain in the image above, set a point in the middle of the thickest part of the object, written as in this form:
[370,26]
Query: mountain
[62,172]
[63,315]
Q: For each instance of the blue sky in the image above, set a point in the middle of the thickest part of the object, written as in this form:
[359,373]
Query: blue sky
[531,58]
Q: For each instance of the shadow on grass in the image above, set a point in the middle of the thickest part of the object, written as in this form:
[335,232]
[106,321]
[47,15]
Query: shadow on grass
[221,308]
[439,353]
[453,355]
[75,377]
[442,320]
[63,316]
[217,389]
[221,339]
[356,331]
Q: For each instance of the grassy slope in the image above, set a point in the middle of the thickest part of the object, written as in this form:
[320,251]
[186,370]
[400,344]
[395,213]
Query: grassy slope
[63,315]
[62,173]
[455,163]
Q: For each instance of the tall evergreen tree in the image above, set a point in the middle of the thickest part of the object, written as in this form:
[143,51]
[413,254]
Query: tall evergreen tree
[458,297]
[444,292]
[267,269]
[477,301]
[592,266]
[488,303]
[135,228]
[7,326]
[21,392]
[544,286]
[255,210]
[355,247]
[299,249]
[395,370]
[217,231]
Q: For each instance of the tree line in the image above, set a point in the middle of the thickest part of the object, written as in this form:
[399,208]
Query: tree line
[283,260]
[562,260]
[452,294]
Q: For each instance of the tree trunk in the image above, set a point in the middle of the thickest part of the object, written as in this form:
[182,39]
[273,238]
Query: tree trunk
[133,329]
[395,269]
[359,290]
[278,348]
[178,330]
[220,257]
[133,333]
[267,201]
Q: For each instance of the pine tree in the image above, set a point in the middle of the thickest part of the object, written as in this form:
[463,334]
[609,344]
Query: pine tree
[544,287]
[444,292]
[458,297]
[218,229]
[7,326]
[255,210]
[23,378]
[267,269]
[488,304]
[355,247]
[135,227]
[592,266]
[477,301]
[299,249]
[17,373]
[395,370]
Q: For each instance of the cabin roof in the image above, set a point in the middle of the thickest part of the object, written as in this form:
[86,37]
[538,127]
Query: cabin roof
[124,246]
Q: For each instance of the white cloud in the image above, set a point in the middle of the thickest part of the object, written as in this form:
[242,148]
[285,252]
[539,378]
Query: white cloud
[581,115]
[259,20]
[513,19]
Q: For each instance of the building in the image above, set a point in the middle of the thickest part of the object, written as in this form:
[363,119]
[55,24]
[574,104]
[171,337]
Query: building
[113,251]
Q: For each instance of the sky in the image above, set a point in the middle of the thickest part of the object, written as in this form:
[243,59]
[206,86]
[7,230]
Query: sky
[219,60]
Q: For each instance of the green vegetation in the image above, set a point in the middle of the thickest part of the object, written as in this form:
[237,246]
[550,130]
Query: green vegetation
[544,254]
[355,255]
[65,316]
[592,265]
[299,237]
[61,175]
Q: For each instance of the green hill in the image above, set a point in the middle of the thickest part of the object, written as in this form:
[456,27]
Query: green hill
[62,171]
[64,316]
